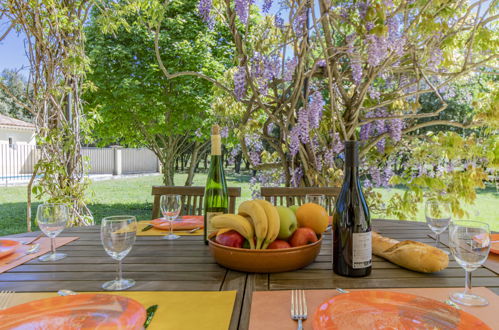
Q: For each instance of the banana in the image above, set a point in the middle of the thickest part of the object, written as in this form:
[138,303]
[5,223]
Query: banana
[273,221]
[256,213]
[237,223]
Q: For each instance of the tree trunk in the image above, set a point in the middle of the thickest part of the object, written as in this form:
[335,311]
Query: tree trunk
[168,172]
[182,162]
[193,164]
[206,161]
[237,162]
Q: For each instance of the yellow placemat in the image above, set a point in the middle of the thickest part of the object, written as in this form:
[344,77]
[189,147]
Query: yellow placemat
[157,232]
[210,310]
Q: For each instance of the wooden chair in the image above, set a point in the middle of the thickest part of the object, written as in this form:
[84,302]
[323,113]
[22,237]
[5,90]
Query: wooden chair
[192,199]
[296,196]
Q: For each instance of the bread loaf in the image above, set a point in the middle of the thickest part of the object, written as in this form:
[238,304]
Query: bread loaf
[412,255]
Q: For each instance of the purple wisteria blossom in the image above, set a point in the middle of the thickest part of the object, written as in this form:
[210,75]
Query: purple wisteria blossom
[315,109]
[240,83]
[224,132]
[242,9]
[233,154]
[395,127]
[289,68]
[338,145]
[204,10]
[296,176]
[373,92]
[294,140]
[266,5]
[300,21]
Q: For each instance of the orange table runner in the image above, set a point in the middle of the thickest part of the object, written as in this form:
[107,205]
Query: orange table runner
[6,263]
[271,309]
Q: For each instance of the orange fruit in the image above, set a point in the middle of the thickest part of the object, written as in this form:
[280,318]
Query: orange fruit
[313,216]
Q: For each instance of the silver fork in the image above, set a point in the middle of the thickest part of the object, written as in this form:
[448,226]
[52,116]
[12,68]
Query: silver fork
[298,307]
[5,297]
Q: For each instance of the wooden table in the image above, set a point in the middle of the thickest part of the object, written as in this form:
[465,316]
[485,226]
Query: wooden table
[186,264]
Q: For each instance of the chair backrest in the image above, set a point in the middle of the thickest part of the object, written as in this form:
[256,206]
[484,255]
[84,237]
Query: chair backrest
[288,196]
[192,199]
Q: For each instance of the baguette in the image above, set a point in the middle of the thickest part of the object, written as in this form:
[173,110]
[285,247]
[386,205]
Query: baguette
[412,255]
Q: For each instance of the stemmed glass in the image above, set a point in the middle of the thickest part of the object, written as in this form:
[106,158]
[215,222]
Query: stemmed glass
[52,218]
[317,199]
[170,208]
[117,234]
[469,242]
[438,217]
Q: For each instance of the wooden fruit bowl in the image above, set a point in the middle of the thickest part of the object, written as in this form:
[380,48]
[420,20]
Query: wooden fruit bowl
[265,261]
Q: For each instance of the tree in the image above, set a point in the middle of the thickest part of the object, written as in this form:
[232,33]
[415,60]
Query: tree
[55,47]
[342,70]
[17,90]
[136,105]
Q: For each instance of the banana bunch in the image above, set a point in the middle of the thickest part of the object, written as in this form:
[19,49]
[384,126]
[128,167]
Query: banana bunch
[257,219]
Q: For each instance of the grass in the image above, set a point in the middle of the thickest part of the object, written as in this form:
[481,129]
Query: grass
[133,196]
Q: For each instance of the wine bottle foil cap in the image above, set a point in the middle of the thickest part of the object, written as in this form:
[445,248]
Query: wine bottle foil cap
[215,130]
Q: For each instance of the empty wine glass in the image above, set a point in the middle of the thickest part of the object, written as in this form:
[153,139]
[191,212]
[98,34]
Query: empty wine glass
[438,217]
[52,219]
[117,234]
[469,242]
[170,208]
[317,199]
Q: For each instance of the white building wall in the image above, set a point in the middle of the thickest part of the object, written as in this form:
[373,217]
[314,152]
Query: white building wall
[18,135]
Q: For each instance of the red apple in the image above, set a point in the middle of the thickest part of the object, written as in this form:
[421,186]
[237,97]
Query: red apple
[303,236]
[230,238]
[279,244]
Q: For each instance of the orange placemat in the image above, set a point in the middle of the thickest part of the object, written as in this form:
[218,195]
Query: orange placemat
[6,263]
[271,309]
[158,232]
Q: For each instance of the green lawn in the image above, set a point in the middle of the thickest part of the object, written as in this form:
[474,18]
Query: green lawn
[133,196]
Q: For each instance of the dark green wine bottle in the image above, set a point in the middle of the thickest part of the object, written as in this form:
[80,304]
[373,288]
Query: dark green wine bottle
[216,199]
[352,250]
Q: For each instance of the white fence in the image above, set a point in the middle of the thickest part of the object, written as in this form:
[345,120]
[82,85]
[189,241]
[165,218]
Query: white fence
[17,161]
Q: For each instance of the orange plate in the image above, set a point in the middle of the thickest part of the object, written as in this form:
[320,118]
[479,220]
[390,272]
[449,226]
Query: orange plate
[390,310]
[494,247]
[81,311]
[8,247]
[186,222]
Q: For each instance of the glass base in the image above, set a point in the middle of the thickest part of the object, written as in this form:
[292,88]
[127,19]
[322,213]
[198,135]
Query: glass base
[171,237]
[52,256]
[117,285]
[468,299]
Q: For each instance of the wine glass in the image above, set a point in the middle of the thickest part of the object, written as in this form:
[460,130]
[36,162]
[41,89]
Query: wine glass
[170,208]
[117,234]
[469,242]
[438,217]
[317,199]
[52,218]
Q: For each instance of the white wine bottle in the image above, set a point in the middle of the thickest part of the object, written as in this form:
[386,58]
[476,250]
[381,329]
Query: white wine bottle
[216,199]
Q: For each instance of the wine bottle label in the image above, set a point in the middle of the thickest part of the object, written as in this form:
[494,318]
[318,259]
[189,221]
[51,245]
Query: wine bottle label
[361,250]
[216,145]
[209,226]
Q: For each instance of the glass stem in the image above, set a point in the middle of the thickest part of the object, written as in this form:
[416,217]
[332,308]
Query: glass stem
[52,245]
[467,284]
[120,275]
[171,225]
[438,240]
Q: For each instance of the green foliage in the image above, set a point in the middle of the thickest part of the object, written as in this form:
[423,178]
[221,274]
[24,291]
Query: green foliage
[18,87]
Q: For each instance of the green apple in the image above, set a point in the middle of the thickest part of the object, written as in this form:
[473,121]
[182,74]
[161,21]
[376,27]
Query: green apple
[288,223]
[294,208]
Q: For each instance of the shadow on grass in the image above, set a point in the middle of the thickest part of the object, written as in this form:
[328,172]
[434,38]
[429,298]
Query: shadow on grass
[13,215]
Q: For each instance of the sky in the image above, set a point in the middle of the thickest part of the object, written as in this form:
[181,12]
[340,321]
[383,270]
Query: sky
[12,54]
